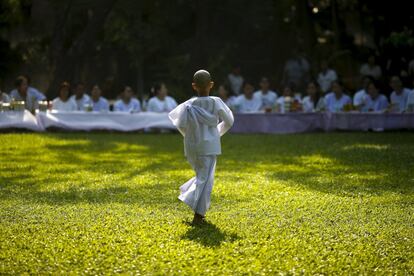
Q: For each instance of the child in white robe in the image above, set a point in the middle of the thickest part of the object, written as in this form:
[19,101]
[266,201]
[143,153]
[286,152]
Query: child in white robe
[202,121]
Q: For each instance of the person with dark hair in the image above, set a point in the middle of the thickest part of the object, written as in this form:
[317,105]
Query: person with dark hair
[326,76]
[246,103]
[375,101]
[399,95]
[283,103]
[161,102]
[313,101]
[266,96]
[63,102]
[337,99]
[98,102]
[127,103]
[80,97]
[371,68]
[361,96]
[224,94]
[23,92]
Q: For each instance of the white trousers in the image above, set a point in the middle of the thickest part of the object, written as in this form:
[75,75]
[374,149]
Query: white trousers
[196,192]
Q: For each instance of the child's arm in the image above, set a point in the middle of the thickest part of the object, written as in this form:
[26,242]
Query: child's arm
[226,118]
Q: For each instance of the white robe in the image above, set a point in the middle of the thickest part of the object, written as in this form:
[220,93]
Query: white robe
[198,120]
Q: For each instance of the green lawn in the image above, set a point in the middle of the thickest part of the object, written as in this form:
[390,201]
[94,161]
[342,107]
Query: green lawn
[102,203]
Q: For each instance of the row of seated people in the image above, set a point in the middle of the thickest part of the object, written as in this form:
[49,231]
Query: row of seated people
[81,101]
[367,99]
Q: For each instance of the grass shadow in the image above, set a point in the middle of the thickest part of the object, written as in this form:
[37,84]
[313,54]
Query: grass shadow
[208,234]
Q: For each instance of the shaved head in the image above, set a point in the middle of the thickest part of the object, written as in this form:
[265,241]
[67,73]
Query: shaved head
[202,78]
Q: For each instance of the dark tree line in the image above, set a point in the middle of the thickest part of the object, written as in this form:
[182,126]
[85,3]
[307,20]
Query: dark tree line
[119,42]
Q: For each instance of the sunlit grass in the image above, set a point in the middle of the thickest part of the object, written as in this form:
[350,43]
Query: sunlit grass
[105,203]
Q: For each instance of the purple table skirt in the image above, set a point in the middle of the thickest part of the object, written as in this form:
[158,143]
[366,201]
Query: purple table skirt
[310,122]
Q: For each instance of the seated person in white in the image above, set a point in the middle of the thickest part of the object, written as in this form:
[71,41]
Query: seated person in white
[23,92]
[98,102]
[224,95]
[326,77]
[4,98]
[371,68]
[246,103]
[375,101]
[284,102]
[80,97]
[410,102]
[127,103]
[313,101]
[63,102]
[399,95]
[266,96]
[336,100]
[361,96]
[161,102]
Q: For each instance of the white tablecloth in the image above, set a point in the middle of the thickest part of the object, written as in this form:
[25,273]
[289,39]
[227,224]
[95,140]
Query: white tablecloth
[244,123]
[21,119]
[108,121]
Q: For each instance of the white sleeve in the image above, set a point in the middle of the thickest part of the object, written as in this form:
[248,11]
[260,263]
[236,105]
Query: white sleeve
[226,117]
[178,116]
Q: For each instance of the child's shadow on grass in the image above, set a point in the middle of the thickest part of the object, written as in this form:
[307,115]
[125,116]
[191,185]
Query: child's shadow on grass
[208,234]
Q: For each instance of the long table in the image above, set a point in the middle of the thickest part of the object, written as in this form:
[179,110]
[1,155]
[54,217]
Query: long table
[244,123]
[119,121]
[19,120]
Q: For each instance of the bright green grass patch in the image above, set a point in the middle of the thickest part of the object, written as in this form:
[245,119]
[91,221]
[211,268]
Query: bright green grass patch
[104,203]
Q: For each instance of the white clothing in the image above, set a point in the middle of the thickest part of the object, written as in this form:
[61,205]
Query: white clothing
[367,70]
[268,99]
[236,83]
[198,120]
[59,105]
[399,102]
[333,104]
[325,79]
[82,102]
[309,106]
[410,102]
[156,105]
[244,105]
[360,98]
[196,192]
[133,106]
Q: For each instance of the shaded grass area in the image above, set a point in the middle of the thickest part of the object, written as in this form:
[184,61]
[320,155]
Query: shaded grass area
[107,203]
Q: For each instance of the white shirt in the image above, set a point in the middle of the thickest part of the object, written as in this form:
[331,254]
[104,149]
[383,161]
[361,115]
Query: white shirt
[101,105]
[367,70]
[4,97]
[410,102]
[32,97]
[325,79]
[268,99]
[378,104]
[360,97]
[133,106]
[400,101]
[333,104]
[201,138]
[69,105]
[244,105]
[80,103]
[236,83]
[156,105]
[309,106]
